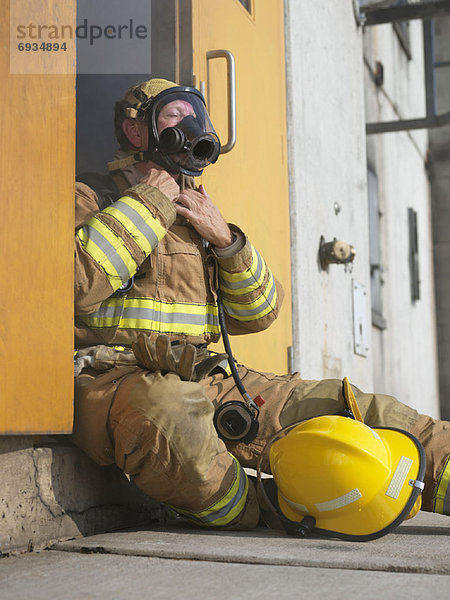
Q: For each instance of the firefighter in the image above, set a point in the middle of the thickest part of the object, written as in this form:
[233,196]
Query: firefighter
[152,255]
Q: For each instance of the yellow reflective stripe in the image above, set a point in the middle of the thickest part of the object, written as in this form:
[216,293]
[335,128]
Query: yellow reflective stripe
[252,305]
[108,315]
[242,274]
[228,507]
[138,221]
[108,250]
[246,281]
[99,256]
[442,494]
[253,310]
[166,317]
[155,315]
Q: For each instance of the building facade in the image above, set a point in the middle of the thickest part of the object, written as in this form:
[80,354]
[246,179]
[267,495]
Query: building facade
[373,320]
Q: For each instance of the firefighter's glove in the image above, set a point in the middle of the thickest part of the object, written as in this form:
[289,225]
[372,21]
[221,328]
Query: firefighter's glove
[187,361]
[102,358]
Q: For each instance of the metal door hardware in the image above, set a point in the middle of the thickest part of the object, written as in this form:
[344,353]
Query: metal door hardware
[335,252]
[231,77]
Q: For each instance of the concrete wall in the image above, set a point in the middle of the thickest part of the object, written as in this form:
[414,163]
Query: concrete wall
[327,78]
[404,354]
[440,189]
[327,162]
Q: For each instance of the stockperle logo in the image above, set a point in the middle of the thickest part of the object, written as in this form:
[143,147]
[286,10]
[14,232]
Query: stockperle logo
[95,37]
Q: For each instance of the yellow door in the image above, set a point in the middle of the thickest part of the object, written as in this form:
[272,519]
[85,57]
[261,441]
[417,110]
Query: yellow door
[37,121]
[250,182]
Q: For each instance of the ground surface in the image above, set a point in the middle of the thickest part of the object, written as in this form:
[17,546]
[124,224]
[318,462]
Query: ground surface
[183,562]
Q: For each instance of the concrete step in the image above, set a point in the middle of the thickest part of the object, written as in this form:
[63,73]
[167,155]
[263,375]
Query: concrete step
[75,576]
[53,490]
[182,562]
[421,545]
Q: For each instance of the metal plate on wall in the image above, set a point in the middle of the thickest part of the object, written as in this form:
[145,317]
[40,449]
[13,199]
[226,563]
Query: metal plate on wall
[360,320]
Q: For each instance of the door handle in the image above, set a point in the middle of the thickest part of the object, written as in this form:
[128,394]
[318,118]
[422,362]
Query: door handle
[231,79]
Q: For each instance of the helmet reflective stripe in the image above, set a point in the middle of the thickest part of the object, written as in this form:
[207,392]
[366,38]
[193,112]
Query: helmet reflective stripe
[300,507]
[340,502]
[398,479]
[375,434]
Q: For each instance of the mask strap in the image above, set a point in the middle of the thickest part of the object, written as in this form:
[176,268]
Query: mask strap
[123,163]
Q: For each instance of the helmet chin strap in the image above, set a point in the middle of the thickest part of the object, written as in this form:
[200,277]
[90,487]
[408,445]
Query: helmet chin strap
[128,161]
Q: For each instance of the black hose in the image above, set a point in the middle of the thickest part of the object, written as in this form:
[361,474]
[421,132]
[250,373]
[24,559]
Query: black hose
[226,343]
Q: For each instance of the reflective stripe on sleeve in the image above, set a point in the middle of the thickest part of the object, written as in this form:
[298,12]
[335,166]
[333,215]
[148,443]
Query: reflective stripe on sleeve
[138,221]
[155,315]
[442,494]
[108,250]
[256,309]
[236,286]
[226,509]
[108,315]
[247,281]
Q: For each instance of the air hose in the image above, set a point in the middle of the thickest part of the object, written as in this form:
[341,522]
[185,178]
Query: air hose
[236,421]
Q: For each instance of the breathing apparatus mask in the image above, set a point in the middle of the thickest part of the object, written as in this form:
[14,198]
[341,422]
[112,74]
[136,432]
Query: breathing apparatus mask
[181,137]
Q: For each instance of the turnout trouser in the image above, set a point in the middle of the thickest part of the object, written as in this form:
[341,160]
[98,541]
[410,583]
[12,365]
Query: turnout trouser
[159,430]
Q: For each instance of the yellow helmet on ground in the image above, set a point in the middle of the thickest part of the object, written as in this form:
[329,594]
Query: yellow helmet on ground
[338,477]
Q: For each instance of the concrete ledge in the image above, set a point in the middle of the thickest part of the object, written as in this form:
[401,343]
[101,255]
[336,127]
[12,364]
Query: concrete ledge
[421,545]
[55,492]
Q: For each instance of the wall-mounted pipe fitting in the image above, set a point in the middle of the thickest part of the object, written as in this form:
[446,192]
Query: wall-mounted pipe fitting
[335,252]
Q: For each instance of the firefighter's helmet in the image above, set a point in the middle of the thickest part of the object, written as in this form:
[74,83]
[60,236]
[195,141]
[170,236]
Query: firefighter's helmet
[338,477]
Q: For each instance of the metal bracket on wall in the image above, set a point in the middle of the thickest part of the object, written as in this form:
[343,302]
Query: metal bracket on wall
[426,11]
[335,252]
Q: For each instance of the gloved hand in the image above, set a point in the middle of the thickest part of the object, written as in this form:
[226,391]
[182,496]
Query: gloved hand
[162,180]
[102,358]
[186,360]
